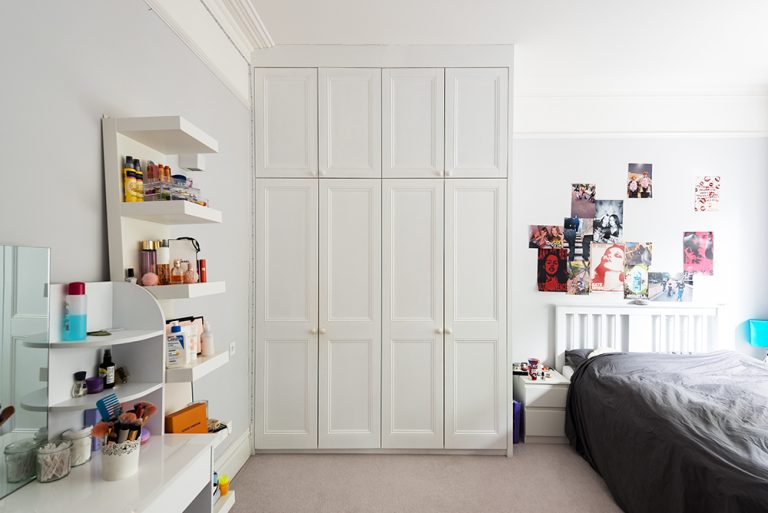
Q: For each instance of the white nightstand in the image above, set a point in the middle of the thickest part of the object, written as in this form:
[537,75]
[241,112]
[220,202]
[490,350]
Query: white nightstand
[543,407]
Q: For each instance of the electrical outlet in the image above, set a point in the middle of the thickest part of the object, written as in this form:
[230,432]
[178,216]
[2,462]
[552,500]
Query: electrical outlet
[231,349]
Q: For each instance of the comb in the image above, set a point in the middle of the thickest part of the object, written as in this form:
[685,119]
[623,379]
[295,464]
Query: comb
[109,407]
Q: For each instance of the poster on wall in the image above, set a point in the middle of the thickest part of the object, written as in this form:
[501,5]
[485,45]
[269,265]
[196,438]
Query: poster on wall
[640,181]
[542,236]
[698,252]
[578,237]
[553,270]
[583,200]
[578,278]
[607,267]
[609,221]
[635,281]
[670,287]
[707,194]
[638,253]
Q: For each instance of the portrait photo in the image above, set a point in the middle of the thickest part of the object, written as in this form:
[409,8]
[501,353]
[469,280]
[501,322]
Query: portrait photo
[698,252]
[640,181]
[553,270]
[607,267]
[583,200]
[609,221]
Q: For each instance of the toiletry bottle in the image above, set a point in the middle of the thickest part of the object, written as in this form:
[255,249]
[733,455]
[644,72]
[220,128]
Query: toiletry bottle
[107,369]
[177,275]
[79,388]
[163,249]
[129,276]
[189,351]
[202,271]
[75,316]
[147,258]
[129,179]
[139,180]
[175,347]
[209,348]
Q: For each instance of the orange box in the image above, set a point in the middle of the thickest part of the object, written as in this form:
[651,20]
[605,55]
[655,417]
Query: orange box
[192,419]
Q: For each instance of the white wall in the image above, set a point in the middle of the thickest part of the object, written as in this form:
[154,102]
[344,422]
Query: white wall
[544,168]
[64,65]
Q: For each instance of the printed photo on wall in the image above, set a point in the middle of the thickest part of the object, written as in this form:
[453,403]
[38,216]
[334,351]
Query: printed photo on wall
[640,181]
[635,281]
[638,253]
[578,237]
[583,200]
[578,278]
[541,236]
[553,270]
[670,287]
[698,252]
[607,267]
[707,194]
[609,221]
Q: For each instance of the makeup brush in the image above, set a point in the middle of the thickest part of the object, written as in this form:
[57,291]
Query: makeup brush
[6,414]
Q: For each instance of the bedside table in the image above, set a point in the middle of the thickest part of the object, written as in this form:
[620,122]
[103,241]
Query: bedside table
[543,407]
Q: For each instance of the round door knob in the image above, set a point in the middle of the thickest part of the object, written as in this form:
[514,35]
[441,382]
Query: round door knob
[313,331]
[439,331]
[448,331]
[323,331]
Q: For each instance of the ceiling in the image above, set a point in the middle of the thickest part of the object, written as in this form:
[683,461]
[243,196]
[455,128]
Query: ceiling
[562,46]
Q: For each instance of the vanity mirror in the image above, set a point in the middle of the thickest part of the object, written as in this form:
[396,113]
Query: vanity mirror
[24,281]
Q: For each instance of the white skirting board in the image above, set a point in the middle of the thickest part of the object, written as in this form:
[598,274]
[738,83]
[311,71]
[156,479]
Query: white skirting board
[235,456]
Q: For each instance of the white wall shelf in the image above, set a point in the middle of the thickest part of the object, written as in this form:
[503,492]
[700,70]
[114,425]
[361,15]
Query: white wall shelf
[199,368]
[35,401]
[118,337]
[223,434]
[168,134]
[124,392]
[186,291]
[170,212]
[225,503]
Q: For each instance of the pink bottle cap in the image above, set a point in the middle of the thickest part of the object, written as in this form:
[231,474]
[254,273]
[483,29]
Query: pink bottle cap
[76,288]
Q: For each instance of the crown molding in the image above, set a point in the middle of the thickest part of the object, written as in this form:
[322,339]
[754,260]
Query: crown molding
[240,21]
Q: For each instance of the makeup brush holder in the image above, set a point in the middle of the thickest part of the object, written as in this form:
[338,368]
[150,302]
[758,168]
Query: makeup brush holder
[119,461]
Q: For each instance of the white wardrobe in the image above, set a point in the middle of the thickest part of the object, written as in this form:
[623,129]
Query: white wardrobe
[381,267]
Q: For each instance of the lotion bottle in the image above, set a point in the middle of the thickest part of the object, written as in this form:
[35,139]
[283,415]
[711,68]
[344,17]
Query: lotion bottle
[75,316]
[207,340]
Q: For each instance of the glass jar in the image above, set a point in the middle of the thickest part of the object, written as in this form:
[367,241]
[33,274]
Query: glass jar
[20,460]
[53,460]
[81,445]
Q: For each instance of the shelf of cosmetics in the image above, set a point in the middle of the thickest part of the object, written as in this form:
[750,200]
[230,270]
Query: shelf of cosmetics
[156,267]
[154,182]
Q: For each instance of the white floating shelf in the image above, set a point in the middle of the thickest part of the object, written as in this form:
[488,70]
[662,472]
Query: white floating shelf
[170,212]
[164,292]
[222,435]
[172,135]
[115,339]
[225,503]
[125,392]
[202,366]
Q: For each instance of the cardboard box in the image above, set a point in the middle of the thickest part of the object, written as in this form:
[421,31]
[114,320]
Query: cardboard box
[192,419]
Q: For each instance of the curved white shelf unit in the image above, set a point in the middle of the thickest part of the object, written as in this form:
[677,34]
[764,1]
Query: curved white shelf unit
[118,337]
[199,368]
[164,292]
[35,401]
[170,212]
[125,392]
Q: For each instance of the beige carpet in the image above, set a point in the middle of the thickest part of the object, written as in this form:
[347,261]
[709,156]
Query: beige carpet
[539,478]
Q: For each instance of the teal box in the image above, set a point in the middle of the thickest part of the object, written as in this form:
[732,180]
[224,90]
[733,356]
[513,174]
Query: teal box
[758,333]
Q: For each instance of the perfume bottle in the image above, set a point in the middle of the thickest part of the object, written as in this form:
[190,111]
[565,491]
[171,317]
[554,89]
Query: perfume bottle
[177,275]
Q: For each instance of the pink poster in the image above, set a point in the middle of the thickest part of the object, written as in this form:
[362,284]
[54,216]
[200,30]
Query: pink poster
[698,252]
[607,267]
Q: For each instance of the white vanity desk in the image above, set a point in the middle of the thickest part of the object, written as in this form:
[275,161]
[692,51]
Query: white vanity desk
[174,474]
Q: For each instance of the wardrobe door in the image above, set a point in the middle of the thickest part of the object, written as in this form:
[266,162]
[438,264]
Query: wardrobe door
[285,122]
[350,122]
[412,314]
[476,122]
[350,314]
[475,314]
[286,314]
[412,122]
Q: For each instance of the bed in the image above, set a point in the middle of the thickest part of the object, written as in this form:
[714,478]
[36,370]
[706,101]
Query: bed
[668,432]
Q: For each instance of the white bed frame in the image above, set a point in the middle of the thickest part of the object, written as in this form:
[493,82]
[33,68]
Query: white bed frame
[637,328]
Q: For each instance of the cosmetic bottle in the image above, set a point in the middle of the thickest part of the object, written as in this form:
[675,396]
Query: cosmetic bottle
[175,348]
[202,271]
[163,249]
[177,275]
[129,179]
[75,316]
[147,258]
[209,348]
[129,276]
[107,369]
[139,180]
[79,388]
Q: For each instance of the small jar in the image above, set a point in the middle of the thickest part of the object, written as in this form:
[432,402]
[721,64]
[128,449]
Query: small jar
[20,460]
[53,461]
[79,388]
[81,445]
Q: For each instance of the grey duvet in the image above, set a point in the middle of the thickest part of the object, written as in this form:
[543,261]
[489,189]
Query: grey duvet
[674,433]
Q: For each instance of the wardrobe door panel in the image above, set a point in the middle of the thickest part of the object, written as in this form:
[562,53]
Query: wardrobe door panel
[476,122]
[350,314]
[412,122]
[350,122]
[286,314]
[285,122]
[412,303]
[475,314]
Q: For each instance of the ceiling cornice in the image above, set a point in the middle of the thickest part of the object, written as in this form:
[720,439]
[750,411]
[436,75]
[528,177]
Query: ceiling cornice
[241,22]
